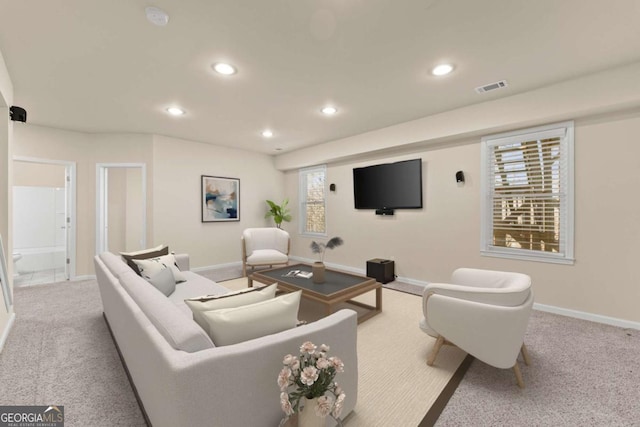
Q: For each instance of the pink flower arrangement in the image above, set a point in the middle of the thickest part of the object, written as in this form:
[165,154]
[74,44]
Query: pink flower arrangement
[311,375]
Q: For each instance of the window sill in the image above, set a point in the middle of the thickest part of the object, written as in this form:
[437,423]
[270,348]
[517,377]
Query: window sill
[528,257]
[312,235]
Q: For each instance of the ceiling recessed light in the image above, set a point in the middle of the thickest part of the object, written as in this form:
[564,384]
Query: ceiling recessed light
[175,111]
[267,133]
[442,70]
[223,68]
[156,16]
[329,110]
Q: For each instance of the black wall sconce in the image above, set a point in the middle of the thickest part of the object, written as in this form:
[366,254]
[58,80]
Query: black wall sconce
[17,114]
[460,177]
[332,187]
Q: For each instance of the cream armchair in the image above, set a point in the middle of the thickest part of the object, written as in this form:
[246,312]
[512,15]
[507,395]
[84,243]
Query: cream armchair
[264,246]
[483,312]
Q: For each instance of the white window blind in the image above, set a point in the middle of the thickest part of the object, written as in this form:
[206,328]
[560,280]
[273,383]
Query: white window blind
[312,200]
[528,194]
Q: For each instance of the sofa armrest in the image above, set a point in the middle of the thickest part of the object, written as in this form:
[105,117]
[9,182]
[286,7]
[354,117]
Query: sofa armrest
[217,383]
[182,260]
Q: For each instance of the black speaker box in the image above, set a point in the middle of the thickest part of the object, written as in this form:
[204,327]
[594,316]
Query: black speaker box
[383,270]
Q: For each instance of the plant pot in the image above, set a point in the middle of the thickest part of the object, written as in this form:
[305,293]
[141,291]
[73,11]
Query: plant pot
[308,418]
[318,272]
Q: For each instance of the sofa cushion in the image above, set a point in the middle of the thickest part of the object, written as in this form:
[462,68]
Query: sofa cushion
[152,266]
[180,331]
[144,254]
[267,256]
[229,300]
[164,281]
[233,325]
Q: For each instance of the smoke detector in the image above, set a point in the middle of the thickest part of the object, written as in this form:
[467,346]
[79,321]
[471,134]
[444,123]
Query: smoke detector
[492,86]
[157,16]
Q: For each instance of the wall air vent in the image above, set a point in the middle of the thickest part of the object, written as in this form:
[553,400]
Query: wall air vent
[492,86]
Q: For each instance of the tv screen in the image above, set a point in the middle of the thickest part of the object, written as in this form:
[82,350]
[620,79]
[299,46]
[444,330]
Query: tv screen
[391,185]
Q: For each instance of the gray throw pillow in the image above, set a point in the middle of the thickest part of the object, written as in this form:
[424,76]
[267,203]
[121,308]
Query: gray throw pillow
[164,281]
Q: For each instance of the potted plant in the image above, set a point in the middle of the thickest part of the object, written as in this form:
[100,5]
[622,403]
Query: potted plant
[320,248]
[278,212]
[311,376]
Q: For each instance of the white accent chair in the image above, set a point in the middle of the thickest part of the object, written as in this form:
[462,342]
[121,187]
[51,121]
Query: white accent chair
[264,246]
[483,312]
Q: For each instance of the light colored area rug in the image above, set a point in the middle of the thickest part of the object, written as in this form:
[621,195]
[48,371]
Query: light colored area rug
[60,353]
[396,387]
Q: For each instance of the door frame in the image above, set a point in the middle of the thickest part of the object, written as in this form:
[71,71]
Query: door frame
[70,207]
[102,205]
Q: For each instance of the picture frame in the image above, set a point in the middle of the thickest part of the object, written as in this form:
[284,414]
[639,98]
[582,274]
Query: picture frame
[4,281]
[220,198]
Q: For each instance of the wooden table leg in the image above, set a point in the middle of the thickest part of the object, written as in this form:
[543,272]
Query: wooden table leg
[519,379]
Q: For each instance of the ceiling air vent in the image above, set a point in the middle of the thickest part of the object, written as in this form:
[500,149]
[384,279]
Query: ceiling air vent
[492,86]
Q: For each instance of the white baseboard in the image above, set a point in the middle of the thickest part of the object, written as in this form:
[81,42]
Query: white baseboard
[361,271]
[613,321]
[7,329]
[541,307]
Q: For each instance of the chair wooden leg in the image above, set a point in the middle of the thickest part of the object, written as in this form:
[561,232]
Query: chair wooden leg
[525,355]
[436,348]
[244,270]
[516,370]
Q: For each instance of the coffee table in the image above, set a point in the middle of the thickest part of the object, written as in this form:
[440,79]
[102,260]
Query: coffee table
[338,287]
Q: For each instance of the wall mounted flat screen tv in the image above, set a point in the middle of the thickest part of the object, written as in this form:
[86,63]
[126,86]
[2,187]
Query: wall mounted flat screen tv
[389,186]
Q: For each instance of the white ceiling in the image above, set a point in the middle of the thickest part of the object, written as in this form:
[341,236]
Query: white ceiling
[100,66]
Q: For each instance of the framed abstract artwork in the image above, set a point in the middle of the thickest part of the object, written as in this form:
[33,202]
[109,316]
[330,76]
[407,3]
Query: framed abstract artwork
[220,199]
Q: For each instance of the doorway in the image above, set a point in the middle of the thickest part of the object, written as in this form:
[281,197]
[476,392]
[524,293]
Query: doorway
[121,207]
[43,221]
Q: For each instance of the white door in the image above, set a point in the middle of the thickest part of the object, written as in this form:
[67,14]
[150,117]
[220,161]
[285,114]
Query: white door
[43,221]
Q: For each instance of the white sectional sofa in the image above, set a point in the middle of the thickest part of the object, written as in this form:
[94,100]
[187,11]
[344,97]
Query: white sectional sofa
[181,378]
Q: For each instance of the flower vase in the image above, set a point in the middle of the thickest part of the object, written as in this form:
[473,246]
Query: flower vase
[307,416]
[318,272]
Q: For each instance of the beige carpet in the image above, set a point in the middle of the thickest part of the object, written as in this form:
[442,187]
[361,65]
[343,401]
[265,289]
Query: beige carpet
[396,387]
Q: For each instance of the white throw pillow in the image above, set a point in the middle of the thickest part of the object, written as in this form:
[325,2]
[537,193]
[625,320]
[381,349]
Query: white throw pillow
[233,325]
[164,281]
[229,300]
[152,266]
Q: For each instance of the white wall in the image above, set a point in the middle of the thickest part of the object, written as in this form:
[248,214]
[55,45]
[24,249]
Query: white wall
[86,150]
[178,166]
[428,244]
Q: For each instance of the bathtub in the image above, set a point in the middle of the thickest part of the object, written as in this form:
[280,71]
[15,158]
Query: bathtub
[39,259]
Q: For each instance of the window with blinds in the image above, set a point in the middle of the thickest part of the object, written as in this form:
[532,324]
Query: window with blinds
[527,203]
[312,200]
